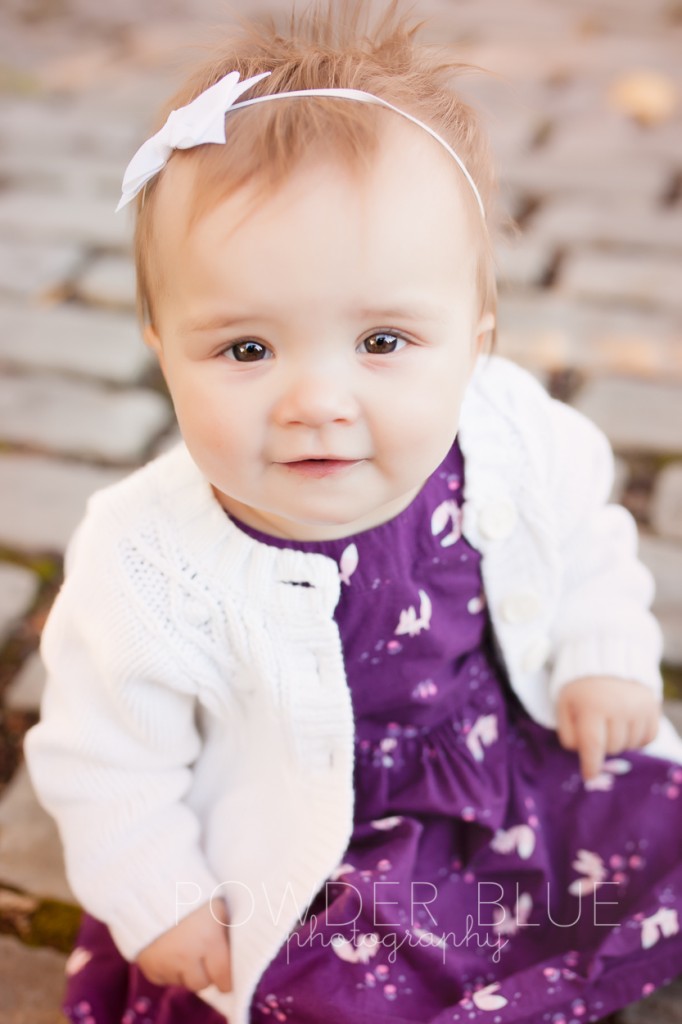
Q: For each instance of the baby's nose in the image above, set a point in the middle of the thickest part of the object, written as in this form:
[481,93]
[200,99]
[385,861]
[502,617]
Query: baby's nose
[316,398]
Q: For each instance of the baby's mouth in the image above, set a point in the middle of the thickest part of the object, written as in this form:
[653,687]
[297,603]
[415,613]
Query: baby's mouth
[319,467]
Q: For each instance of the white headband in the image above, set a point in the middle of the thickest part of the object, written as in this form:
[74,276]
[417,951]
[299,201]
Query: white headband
[203,120]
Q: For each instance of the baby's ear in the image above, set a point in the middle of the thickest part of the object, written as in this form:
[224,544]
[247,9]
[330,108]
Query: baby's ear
[153,341]
[483,330]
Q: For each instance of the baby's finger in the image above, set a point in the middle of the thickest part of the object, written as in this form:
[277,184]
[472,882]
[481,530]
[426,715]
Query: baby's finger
[591,746]
[641,733]
[159,977]
[618,736]
[195,977]
[218,958]
[566,727]
[649,727]
[219,968]
[653,723]
[157,971]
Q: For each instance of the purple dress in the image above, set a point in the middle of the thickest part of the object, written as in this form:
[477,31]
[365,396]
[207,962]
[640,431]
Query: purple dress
[484,881]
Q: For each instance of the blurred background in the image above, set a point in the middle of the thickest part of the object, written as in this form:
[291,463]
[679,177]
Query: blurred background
[584,108]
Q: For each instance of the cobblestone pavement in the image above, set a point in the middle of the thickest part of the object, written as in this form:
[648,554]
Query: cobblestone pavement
[584,113]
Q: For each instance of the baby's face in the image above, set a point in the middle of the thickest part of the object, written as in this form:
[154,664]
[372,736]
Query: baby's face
[317,346]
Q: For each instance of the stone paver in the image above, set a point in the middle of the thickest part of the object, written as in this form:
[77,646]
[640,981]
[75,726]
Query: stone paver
[654,282]
[31,982]
[547,174]
[666,503]
[522,262]
[26,689]
[73,340]
[36,215]
[108,282]
[18,589]
[34,268]
[571,222]
[663,1007]
[669,618]
[168,441]
[44,499]
[635,415]
[80,418]
[589,117]
[664,559]
[30,850]
[621,474]
[673,710]
[553,333]
[48,125]
[84,175]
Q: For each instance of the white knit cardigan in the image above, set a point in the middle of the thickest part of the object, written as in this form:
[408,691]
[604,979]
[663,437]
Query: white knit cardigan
[197,726]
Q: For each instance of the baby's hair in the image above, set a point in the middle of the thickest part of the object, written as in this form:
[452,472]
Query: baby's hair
[330,45]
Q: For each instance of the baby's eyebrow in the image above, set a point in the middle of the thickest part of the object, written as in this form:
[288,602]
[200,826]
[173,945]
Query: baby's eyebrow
[379,314]
[218,322]
[405,312]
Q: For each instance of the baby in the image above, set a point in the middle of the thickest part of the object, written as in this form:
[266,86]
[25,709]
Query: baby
[347,693]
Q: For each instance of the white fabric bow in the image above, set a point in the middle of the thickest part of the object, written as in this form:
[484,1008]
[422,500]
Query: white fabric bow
[202,120]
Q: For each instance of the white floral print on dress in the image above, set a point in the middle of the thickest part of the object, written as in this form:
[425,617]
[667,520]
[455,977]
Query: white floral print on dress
[447,512]
[662,924]
[78,959]
[385,824]
[482,734]
[592,867]
[367,947]
[506,922]
[605,778]
[348,563]
[518,838]
[485,999]
[412,624]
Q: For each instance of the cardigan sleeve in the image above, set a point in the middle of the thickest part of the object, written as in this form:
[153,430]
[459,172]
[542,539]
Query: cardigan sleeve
[111,758]
[603,623]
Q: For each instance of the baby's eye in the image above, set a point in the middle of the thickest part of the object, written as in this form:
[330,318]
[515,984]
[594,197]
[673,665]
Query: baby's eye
[383,343]
[247,351]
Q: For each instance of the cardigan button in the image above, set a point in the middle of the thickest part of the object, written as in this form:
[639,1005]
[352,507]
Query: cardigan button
[497,519]
[523,606]
[536,654]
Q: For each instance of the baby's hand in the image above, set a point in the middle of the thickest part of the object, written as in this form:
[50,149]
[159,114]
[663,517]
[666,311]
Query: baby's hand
[194,953]
[598,715]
